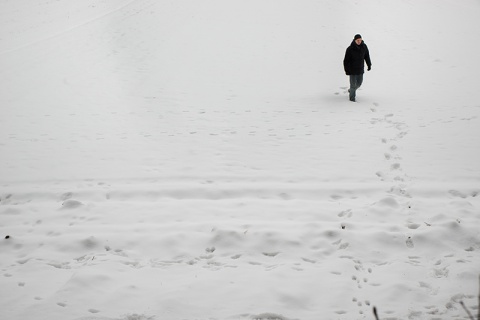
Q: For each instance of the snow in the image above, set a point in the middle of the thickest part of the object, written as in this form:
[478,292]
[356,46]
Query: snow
[201,160]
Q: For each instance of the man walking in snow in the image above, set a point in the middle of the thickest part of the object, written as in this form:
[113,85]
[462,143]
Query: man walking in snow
[354,64]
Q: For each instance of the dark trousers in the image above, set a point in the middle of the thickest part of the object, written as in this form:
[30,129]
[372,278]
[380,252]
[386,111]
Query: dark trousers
[355,83]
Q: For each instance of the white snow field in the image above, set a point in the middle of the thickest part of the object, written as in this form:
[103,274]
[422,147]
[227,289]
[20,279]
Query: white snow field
[199,159]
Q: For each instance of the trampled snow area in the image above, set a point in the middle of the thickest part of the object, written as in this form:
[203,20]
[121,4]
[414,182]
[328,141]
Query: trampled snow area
[199,159]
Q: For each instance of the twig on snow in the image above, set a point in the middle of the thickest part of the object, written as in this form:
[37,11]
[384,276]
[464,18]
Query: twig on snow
[467,311]
[478,316]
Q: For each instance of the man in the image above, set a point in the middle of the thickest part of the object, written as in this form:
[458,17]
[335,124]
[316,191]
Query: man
[354,64]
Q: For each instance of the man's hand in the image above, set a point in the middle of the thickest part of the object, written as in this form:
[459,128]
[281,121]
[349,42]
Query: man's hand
[369,68]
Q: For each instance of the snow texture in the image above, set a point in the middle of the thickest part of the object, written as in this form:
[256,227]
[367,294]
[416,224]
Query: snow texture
[199,159]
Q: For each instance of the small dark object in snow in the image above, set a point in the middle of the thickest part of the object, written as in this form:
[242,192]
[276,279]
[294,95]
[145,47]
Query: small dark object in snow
[7,237]
[343,227]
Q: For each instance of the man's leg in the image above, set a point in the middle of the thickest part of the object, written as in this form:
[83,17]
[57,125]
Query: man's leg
[355,83]
[359,80]
[353,87]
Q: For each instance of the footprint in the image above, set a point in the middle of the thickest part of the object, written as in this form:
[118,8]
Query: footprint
[66,196]
[343,245]
[440,273]
[395,166]
[270,254]
[267,316]
[347,213]
[309,260]
[71,204]
[457,193]
[428,288]
[402,134]
[412,225]
[409,242]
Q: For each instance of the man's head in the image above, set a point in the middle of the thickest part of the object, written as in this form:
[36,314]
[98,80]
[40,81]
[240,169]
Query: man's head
[358,39]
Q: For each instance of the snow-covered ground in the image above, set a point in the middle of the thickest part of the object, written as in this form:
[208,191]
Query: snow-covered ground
[199,159]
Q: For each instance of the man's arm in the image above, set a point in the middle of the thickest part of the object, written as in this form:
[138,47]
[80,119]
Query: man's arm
[346,63]
[367,59]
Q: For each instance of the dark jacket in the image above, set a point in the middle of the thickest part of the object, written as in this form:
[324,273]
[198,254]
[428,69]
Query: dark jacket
[355,57]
